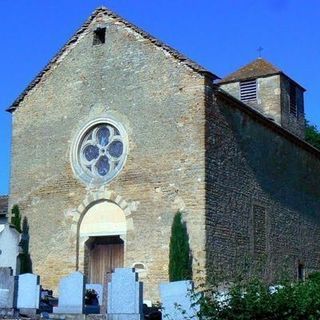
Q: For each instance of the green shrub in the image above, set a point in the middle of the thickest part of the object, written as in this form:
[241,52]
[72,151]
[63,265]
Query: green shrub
[253,300]
[16,217]
[180,260]
[24,258]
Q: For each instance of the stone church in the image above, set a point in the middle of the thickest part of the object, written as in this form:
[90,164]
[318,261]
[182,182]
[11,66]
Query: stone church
[120,131]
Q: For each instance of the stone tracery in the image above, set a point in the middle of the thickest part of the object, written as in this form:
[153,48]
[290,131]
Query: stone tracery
[101,150]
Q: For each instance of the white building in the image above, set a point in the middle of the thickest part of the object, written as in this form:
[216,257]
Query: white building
[9,241]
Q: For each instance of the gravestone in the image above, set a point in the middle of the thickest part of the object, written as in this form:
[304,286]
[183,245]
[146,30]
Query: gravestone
[28,298]
[71,294]
[177,300]
[125,295]
[6,288]
[104,304]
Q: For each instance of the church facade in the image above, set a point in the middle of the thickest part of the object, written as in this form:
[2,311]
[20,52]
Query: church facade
[119,132]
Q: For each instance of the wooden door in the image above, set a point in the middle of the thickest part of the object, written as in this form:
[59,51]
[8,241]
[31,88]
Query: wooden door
[106,253]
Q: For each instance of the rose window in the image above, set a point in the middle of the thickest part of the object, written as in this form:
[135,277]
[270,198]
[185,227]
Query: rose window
[100,153]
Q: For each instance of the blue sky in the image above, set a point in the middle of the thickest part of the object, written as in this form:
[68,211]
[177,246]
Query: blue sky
[220,35]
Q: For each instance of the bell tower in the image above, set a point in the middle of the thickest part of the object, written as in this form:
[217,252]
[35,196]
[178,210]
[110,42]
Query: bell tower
[270,91]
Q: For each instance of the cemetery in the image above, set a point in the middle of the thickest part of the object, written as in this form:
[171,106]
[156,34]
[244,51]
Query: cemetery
[120,298]
[121,295]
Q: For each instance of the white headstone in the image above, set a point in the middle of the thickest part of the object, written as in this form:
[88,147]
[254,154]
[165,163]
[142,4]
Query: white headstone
[98,288]
[71,294]
[177,300]
[28,291]
[125,295]
[6,288]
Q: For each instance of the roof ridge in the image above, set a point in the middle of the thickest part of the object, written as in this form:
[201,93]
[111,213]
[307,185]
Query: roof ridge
[102,9]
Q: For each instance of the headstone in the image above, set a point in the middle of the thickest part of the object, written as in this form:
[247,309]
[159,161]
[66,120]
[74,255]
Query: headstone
[71,294]
[28,292]
[98,288]
[104,304]
[177,300]
[6,288]
[125,295]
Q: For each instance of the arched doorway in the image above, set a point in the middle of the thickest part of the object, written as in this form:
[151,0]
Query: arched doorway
[102,233]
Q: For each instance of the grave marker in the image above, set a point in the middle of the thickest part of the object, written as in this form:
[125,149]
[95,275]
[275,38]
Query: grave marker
[177,301]
[71,294]
[125,295]
[6,288]
[28,297]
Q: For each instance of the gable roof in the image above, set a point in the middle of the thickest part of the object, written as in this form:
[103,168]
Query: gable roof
[3,205]
[103,10]
[255,69]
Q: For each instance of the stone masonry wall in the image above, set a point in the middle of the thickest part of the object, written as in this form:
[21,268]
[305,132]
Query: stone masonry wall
[293,123]
[263,197]
[232,88]
[268,96]
[160,102]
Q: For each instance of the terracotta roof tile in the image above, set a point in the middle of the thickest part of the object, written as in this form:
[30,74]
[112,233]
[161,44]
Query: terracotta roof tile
[255,69]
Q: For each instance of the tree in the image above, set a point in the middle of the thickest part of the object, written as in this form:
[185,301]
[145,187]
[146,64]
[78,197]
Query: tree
[24,256]
[180,260]
[16,217]
[312,134]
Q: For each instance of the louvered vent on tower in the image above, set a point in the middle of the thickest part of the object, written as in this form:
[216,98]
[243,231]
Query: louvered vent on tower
[293,99]
[248,90]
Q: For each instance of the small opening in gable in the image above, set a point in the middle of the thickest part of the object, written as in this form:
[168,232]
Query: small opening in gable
[99,36]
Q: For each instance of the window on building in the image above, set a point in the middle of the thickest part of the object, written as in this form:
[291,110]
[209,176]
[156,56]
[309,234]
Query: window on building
[301,271]
[248,90]
[99,151]
[99,36]
[293,99]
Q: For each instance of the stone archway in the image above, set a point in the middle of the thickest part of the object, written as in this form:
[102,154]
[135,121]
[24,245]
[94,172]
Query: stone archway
[103,218]
[106,207]
[102,234]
